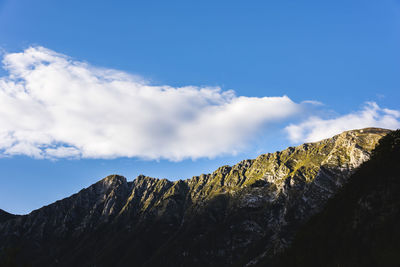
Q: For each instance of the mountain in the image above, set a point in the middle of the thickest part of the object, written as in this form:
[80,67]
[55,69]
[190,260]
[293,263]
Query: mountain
[237,215]
[4,216]
[360,225]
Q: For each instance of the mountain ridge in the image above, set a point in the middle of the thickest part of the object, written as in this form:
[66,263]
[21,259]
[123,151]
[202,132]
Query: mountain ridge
[172,222]
[368,208]
[219,169]
[4,216]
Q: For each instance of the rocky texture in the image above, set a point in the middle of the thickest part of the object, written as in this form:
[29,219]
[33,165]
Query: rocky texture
[235,216]
[360,225]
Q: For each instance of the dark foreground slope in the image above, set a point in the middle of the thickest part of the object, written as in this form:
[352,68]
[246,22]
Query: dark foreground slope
[4,216]
[235,216]
[360,226]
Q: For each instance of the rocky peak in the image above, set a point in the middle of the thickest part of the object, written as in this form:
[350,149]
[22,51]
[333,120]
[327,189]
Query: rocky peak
[359,225]
[262,200]
[110,183]
[114,179]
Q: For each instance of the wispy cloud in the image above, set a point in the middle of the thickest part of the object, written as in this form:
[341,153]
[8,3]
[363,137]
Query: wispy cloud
[53,106]
[315,128]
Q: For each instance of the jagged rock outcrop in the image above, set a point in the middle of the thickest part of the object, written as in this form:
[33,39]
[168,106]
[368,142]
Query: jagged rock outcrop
[233,216]
[359,225]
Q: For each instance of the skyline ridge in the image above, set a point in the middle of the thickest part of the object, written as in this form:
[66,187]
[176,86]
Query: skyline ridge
[119,177]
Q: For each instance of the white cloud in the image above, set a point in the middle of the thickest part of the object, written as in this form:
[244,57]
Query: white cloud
[52,106]
[312,102]
[315,128]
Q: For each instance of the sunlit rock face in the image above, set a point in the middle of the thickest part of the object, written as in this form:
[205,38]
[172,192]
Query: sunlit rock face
[215,219]
[359,225]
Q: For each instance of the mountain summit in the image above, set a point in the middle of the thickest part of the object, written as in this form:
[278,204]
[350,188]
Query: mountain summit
[236,215]
[359,225]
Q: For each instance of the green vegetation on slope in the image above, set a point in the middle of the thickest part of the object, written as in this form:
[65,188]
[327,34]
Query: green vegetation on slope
[360,225]
[209,220]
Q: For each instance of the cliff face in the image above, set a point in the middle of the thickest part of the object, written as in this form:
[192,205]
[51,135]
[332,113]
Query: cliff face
[236,215]
[359,225]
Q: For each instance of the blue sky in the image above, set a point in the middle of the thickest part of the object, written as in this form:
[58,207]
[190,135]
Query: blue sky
[342,54]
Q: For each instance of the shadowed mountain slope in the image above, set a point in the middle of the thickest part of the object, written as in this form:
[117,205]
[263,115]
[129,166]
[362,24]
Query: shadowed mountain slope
[360,225]
[236,215]
[4,216]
